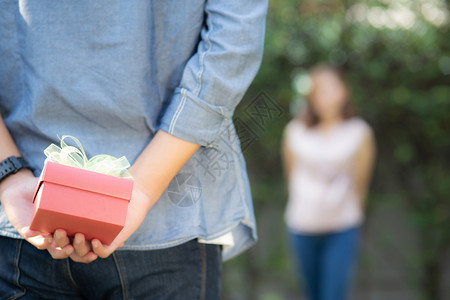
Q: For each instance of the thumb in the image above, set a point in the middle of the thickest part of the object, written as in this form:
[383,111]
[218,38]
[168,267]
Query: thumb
[26,232]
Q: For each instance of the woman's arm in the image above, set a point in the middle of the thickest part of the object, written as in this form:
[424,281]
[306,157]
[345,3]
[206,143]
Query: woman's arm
[365,158]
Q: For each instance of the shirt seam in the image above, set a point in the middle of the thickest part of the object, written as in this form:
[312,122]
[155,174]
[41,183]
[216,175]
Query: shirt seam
[178,112]
[199,79]
[202,56]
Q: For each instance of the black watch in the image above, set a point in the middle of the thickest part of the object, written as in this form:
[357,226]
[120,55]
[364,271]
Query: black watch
[11,165]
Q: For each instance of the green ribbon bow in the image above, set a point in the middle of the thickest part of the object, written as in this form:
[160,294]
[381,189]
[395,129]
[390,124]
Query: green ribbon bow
[76,157]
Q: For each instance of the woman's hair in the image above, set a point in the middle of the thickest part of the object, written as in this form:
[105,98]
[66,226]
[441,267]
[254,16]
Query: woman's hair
[310,117]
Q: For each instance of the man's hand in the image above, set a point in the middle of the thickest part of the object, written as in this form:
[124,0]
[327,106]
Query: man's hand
[77,248]
[80,250]
[138,208]
[153,170]
[16,194]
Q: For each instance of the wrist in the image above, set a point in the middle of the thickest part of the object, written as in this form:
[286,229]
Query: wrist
[148,188]
[160,161]
[15,178]
[11,165]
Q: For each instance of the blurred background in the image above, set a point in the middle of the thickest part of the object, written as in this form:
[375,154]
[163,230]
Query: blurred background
[396,57]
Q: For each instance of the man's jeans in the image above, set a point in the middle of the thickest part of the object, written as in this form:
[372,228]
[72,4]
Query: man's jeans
[189,271]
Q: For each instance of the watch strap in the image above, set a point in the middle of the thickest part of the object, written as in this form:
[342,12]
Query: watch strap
[11,165]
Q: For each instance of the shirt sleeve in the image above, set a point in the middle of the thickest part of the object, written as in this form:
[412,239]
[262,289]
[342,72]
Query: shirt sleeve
[216,77]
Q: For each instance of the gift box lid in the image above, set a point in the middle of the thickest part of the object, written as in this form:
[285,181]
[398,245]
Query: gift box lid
[85,180]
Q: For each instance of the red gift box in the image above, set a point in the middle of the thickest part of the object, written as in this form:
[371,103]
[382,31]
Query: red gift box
[78,200]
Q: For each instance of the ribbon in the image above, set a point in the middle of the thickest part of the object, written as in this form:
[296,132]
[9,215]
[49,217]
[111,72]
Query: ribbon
[76,157]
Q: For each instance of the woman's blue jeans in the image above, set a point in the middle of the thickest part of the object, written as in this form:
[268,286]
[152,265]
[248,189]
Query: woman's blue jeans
[189,271]
[326,262]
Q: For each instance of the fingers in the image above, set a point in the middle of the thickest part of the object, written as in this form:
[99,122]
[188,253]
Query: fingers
[60,237]
[59,253]
[82,247]
[59,245]
[82,253]
[101,250]
[87,258]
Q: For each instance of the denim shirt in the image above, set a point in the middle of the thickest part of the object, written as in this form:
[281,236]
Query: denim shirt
[113,72]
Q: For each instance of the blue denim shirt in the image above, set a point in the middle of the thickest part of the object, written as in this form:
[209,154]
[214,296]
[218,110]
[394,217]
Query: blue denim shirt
[113,72]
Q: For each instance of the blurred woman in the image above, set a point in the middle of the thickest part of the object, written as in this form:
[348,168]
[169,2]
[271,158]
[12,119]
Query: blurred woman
[328,156]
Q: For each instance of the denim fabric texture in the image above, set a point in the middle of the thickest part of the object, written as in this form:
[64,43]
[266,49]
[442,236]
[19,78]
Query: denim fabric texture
[113,72]
[326,262]
[188,271]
